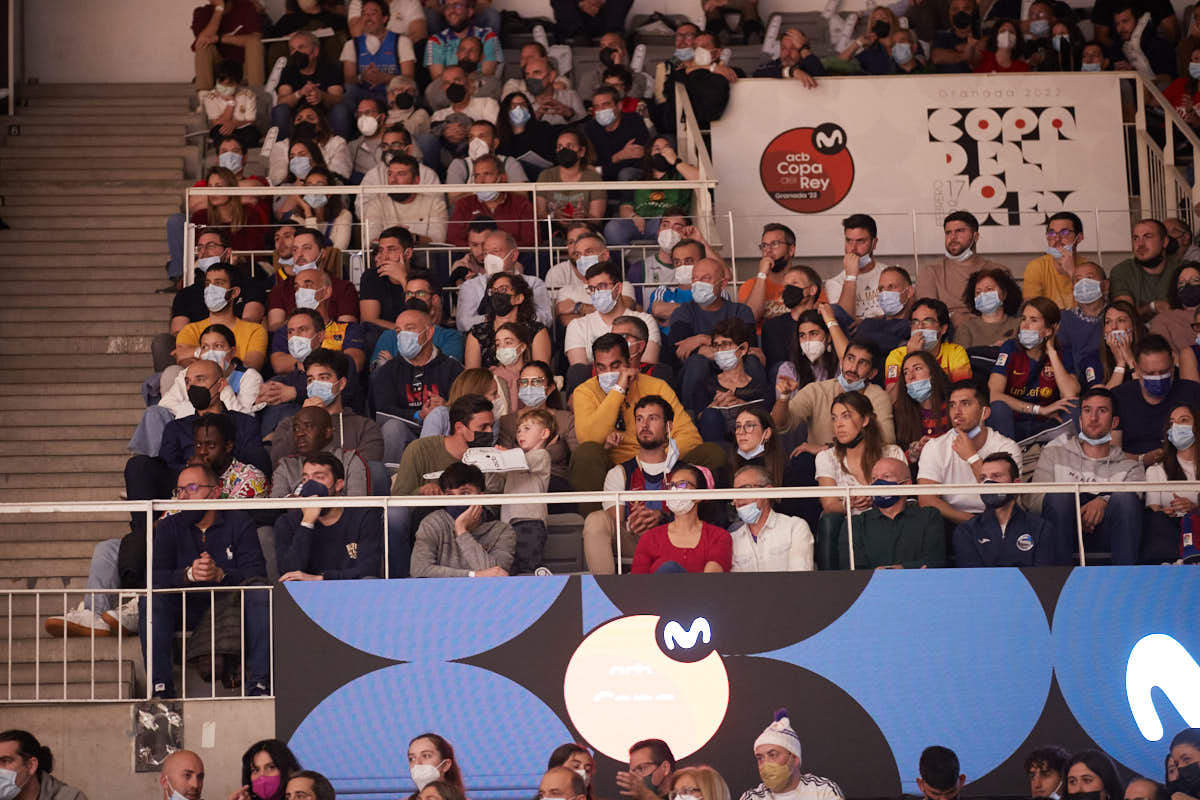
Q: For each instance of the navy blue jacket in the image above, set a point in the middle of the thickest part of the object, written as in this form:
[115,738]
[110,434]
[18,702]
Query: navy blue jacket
[231,541]
[1028,541]
[179,440]
[350,548]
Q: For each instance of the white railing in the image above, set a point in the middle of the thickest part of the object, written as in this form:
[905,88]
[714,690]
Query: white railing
[1164,190]
[151,507]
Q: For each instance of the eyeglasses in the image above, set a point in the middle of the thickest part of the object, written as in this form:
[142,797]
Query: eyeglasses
[746,427]
[765,246]
[632,339]
[531,382]
[1066,234]
[191,488]
[499,290]
[599,287]
[681,485]
[423,294]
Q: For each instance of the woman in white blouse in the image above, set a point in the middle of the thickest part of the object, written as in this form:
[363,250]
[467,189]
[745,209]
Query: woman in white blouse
[1160,535]
[858,444]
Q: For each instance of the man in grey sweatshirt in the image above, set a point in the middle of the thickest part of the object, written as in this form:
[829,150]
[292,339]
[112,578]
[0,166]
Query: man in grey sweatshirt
[462,541]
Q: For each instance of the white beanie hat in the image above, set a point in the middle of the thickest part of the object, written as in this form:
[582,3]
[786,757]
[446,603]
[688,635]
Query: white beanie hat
[780,733]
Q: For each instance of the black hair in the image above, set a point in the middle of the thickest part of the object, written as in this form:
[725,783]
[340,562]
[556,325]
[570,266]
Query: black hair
[466,407]
[1052,758]
[223,331]
[29,747]
[643,330]
[901,271]
[482,225]
[383,6]
[864,221]
[621,73]
[1152,343]
[656,400]
[554,398]
[804,367]
[336,360]
[1173,287]
[280,755]
[318,237]
[939,766]
[981,393]
[401,234]
[1014,471]
[322,788]
[1010,291]
[789,235]
[229,70]
[221,423]
[1076,223]
[872,350]
[458,475]
[330,461]
[604,268]
[1188,736]
[1099,391]
[313,315]
[738,330]
[962,216]
[1104,768]
[610,341]
[453,775]
[660,751]
[939,308]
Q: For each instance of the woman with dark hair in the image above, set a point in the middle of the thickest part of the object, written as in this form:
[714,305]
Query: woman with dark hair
[578,759]
[431,758]
[920,411]
[802,292]
[639,219]
[266,768]
[1065,52]
[756,443]
[244,222]
[1160,531]
[572,155]
[513,341]
[994,300]
[1030,388]
[324,212]
[536,387]
[33,763]
[1184,92]
[812,351]
[1183,294]
[1001,49]
[1122,332]
[857,445]
[735,380]
[303,156]
[1183,764]
[309,125]
[1093,771]
[438,790]
[686,543]
[521,132]
[507,299]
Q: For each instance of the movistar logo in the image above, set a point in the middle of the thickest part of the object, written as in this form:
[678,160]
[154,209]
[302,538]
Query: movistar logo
[673,632]
[1159,661]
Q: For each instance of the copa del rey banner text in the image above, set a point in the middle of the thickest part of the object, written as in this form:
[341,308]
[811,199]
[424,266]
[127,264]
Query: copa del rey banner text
[1012,149]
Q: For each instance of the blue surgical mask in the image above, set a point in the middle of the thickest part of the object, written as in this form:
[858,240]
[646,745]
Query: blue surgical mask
[1089,67]
[930,335]
[684,53]
[890,303]
[847,386]
[531,396]
[1029,339]
[902,52]
[1181,436]
[487,196]
[863,261]
[1105,439]
[1158,385]
[1194,70]
[408,344]
[1040,28]
[987,302]
[231,161]
[749,513]
[299,347]
[306,298]
[603,301]
[298,268]
[518,115]
[919,390]
[971,434]
[1054,252]
[1087,290]
[203,264]
[887,500]
[608,380]
[214,297]
[702,293]
[726,359]
[606,117]
[755,453]
[322,390]
[300,166]
[586,262]
[316,201]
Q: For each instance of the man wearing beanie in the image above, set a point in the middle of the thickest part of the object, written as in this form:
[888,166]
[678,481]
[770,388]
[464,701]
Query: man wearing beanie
[777,751]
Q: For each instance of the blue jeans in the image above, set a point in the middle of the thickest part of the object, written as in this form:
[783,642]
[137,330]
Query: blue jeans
[1120,531]
[711,425]
[103,574]
[170,611]
[670,566]
[691,382]
[1016,425]
[175,226]
[622,231]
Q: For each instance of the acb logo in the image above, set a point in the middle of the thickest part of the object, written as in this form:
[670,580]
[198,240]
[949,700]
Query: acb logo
[808,170]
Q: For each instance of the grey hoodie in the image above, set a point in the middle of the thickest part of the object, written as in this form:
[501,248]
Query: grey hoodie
[1063,461]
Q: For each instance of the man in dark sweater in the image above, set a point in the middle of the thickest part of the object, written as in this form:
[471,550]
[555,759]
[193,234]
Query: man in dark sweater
[205,549]
[619,139]
[1145,403]
[1004,534]
[317,544]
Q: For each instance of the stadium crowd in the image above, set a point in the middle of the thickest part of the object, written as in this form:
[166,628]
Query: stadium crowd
[270,771]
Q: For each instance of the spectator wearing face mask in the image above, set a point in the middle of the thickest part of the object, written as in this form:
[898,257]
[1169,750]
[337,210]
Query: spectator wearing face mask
[892,533]
[930,328]
[402,106]
[1001,50]
[309,79]
[686,543]
[604,286]
[372,58]
[482,142]
[312,432]
[461,541]
[366,150]
[1031,389]
[524,137]
[764,292]
[946,279]
[640,218]
[536,388]
[463,21]
[959,48]
[907,54]
[553,103]
[1183,298]
[705,79]
[920,410]
[1081,330]
[574,156]
[994,299]
[896,295]
[676,287]
[796,60]
[614,53]
[777,751]
[873,50]
[566,282]
[328,373]
[512,211]
[619,139]
[231,108]
[735,380]
[802,293]
[470,53]
[1146,402]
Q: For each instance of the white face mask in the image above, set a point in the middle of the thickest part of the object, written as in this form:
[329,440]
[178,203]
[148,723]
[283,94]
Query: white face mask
[424,774]
[493,263]
[477,148]
[702,57]
[812,349]
[368,126]
[8,785]
[963,256]
[668,238]
[583,774]
[507,356]
[683,274]
[175,795]
[680,505]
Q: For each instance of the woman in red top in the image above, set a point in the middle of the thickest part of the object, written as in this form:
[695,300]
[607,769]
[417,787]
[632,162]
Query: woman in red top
[246,223]
[686,544]
[1184,92]
[1002,43]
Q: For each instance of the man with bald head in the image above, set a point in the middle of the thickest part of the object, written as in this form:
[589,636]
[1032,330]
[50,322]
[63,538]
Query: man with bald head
[447,137]
[765,540]
[893,533]
[182,772]
[561,783]
[407,388]
[312,432]
[551,104]
[205,548]
[692,324]
[500,254]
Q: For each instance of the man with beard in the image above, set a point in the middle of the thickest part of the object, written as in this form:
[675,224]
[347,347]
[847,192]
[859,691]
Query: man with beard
[1145,279]
[856,288]
[312,430]
[764,292]
[946,278]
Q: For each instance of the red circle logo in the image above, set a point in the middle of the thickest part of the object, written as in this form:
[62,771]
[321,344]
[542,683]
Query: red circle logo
[808,170]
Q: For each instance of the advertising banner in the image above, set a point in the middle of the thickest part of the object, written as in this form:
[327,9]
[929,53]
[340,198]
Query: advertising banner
[1011,149]
[873,666]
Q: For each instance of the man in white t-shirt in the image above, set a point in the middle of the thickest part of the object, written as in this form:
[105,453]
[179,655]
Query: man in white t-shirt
[397,141]
[604,286]
[777,751]
[564,280]
[856,287]
[450,126]
[765,540]
[957,455]
[422,214]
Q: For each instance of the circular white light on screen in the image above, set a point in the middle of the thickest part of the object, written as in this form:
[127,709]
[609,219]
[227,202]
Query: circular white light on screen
[1158,660]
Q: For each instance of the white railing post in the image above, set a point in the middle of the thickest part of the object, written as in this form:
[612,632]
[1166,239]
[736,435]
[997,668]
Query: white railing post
[1143,149]
[916,245]
[849,530]
[1079,527]
[617,516]
[1099,238]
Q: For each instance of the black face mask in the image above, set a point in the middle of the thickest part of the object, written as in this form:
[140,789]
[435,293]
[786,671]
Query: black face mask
[1084,795]
[780,264]
[566,157]
[304,130]
[297,61]
[1187,782]
[403,101]
[660,163]
[1149,263]
[793,296]
[501,304]
[606,56]
[995,501]
[483,439]
[468,66]
[961,20]
[1189,295]
[1172,246]
[881,28]
[199,397]
[535,86]
[400,197]
[456,93]
[855,442]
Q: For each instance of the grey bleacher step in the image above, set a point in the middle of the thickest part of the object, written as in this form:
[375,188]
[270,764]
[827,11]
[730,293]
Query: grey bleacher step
[68,139]
[42,388]
[102,690]
[95,345]
[109,153]
[36,159]
[93,370]
[96,329]
[150,116]
[36,126]
[44,432]
[59,517]
[26,606]
[47,549]
[95,416]
[58,495]
[24,246]
[12,568]
[95,306]
[11,283]
[70,103]
[70,360]
[103,90]
[84,399]
[65,485]
[122,235]
[81,216]
[51,257]
[112,192]
[70,447]
[80,672]
[17,175]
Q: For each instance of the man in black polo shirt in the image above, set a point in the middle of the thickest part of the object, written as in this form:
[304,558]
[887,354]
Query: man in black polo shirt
[619,139]
[381,290]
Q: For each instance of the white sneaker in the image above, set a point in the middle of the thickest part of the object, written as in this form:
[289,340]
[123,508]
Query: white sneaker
[830,9]
[125,616]
[79,621]
[539,36]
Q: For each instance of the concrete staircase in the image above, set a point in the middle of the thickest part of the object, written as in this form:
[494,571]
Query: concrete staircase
[88,174]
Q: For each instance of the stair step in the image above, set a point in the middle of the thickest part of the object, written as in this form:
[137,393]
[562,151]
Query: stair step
[105,670]
[90,90]
[55,584]
[95,416]
[101,690]
[99,329]
[67,139]
[151,245]
[28,607]
[45,260]
[91,306]
[17,176]
[67,360]
[43,568]
[115,218]
[12,465]
[110,154]
[81,400]
[36,433]
[11,284]
[86,373]
[45,549]
[73,446]
[64,483]
[37,126]
[128,105]
[109,193]
[83,116]
[38,159]
[42,389]
[134,343]
[120,238]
